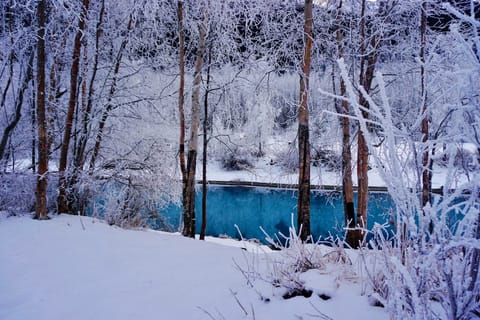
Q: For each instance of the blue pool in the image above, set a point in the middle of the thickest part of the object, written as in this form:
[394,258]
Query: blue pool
[253,207]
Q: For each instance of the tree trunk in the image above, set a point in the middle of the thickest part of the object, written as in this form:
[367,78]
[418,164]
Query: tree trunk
[362,174]
[181,99]
[18,106]
[347,185]
[11,57]
[426,179]
[111,94]
[52,102]
[367,71]
[203,227]
[62,203]
[189,202]
[86,113]
[33,116]
[79,151]
[56,70]
[42,171]
[303,207]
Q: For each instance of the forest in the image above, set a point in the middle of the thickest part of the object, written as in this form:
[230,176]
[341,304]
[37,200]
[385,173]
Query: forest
[136,100]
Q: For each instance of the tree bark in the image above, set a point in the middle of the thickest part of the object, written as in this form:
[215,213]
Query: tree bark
[62,203]
[33,116]
[79,148]
[203,227]
[181,100]
[56,70]
[189,202]
[367,70]
[347,185]
[86,114]
[42,171]
[426,177]
[303,207]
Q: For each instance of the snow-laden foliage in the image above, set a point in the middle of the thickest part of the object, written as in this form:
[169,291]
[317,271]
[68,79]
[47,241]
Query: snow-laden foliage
[430,267]
[293,271]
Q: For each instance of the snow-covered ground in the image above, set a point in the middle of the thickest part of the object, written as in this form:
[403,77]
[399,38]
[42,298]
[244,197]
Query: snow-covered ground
[74,267]
[264,172]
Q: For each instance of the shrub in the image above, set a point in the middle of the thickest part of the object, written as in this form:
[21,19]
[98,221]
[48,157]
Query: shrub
[17,192]
[287,158]
[236,159]
[328,159]
[463,158]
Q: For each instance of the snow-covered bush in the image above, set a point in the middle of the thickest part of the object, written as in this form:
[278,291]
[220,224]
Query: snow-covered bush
[430,268]
[236,159]
[128,203]
[287,158]
[328,159]
[16,192]
[297,268]
[130,187]
[433,274]
[463,158]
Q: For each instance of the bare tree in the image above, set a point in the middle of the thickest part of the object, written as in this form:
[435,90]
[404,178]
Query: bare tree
[303,207]
[426,174]
[62,201]
[42,171]
[181,98]
[14,56]
[113,88]
[18,106]
[343,109]
[203,227]
[369,50]
[189,202]
[88,94]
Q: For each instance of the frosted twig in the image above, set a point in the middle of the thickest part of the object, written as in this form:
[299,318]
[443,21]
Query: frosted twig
[320,314]
[81,221]
[222,317]
[238,301]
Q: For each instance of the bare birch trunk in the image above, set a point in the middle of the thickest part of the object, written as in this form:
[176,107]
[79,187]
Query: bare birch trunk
[42,171]
[189,202]
[62,203]
[303,207]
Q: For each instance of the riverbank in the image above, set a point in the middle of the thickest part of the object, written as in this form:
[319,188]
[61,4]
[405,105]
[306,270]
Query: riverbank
[265,174]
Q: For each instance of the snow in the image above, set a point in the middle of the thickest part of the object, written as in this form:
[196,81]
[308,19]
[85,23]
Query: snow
[264,172]
[73,267]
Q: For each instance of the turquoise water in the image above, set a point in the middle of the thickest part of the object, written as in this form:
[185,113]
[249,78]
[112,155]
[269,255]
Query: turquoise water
[251,208]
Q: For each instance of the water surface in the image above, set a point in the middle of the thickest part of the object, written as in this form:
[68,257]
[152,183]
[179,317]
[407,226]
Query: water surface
[253,207]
